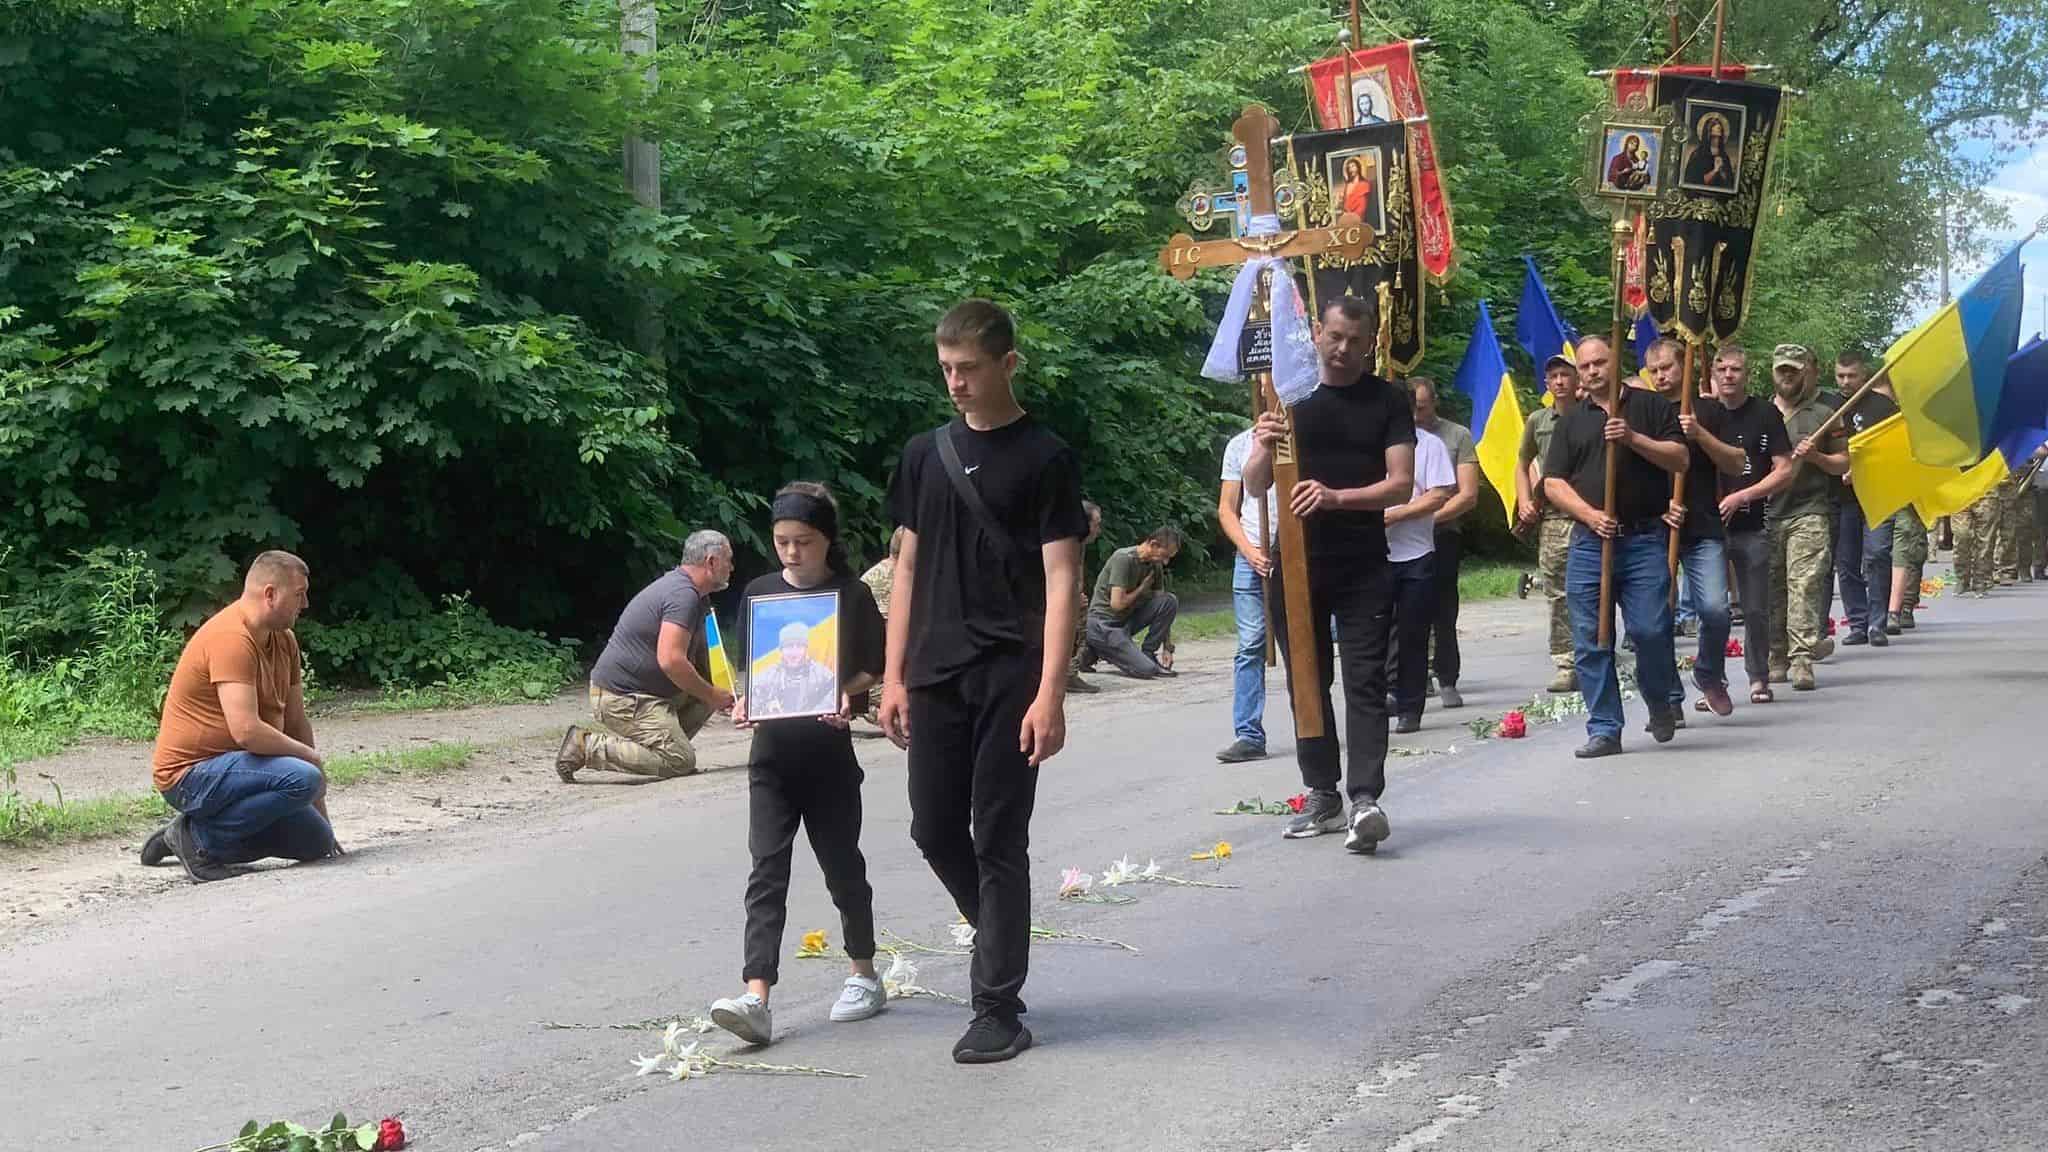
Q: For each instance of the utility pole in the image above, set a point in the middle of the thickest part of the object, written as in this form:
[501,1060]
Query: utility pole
[642,159]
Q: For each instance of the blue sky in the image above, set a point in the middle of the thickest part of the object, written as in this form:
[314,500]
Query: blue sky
[2021,183]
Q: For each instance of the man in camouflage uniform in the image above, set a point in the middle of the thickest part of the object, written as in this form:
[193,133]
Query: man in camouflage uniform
[1909,567]
[1802,556]
[2005,532]
[1972,528]
[2016,529]
[1553,528]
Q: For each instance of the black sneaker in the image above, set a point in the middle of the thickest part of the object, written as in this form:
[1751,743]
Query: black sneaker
[1893,624]
[1878,639]
[991,1040]
[1368,827]
[156,849]
[1324,812]
[201,868]
[1599,746]
[1855,638]
[1240,752]
[1076,685]
[1522,584]
[1407,724]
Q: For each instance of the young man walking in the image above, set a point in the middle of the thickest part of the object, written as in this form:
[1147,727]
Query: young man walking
[1755,427]
[982,612]
[1239,516]
[1644,433]
[1696,517]
[1800,520]
[1553,528]
[1355,445]
[1863,552]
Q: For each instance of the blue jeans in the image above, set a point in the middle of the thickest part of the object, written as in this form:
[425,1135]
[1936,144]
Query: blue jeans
[1863,566]
[1248,667]
[1688,607]
[240,807]
[1704,565]
[1642,590]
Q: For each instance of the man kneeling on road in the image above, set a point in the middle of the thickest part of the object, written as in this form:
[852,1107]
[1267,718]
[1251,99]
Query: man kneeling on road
[234,753]
[649,690]
[1130,599]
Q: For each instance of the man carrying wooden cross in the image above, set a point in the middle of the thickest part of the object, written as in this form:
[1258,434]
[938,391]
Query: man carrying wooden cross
[1355,442]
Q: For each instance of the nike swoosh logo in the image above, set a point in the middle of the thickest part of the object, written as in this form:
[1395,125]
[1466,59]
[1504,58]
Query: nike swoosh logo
[971,469]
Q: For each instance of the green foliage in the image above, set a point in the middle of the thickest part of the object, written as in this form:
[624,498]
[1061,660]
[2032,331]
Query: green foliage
[456,651]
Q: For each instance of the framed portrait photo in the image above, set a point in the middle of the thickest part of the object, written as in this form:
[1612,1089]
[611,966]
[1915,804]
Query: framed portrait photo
[1631,161]
[1715,134]
[1358,185]
[792,655]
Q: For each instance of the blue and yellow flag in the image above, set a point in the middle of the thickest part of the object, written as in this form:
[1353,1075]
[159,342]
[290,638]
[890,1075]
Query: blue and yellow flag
[1949,372]
[1540,331]
[1496,410]
[721,662]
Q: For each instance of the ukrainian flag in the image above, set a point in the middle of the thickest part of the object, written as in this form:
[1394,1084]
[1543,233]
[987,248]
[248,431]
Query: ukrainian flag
[1888,476]
[1496,410]
[1949,372]
[1540,331]
[714,644]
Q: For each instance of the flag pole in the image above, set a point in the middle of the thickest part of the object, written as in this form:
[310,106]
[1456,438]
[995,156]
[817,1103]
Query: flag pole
[1685,391]
[1621,232]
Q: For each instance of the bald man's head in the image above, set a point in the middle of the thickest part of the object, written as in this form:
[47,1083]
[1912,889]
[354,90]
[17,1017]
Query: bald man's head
[1596,366]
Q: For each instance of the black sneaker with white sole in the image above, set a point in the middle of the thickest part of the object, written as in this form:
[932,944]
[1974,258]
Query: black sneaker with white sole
[1368,827]
[1324,812]
[991,1040]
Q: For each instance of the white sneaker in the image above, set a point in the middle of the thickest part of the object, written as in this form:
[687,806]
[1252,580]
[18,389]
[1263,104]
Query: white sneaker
[861,999]
[1368,827]
[746,1017]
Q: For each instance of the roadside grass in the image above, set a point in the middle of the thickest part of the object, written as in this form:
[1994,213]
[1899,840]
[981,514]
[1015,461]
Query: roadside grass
[27,823]
[1490,581]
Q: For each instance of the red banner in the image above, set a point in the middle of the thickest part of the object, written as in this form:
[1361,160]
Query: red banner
[1384,86]
[1635,89]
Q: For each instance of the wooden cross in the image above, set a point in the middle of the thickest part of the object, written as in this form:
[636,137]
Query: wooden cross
[1182,257]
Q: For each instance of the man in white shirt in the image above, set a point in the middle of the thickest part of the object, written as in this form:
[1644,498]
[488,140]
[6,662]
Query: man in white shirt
[1237,511]
[1411,553]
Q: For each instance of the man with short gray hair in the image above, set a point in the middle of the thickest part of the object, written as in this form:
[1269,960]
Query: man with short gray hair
[651,691]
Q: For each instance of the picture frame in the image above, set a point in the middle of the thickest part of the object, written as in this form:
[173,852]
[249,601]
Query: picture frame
[1630,162]
[792,656]
[1715,133]
[1358,184]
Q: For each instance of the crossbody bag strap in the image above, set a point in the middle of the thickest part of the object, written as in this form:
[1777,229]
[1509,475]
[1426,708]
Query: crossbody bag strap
[949,454]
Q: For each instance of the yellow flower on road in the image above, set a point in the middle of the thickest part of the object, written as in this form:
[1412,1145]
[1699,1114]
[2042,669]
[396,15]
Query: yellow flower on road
[814,946]
[1219,853]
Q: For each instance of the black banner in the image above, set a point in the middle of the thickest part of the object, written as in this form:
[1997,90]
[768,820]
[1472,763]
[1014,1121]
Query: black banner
[1703,222]
[1364,171]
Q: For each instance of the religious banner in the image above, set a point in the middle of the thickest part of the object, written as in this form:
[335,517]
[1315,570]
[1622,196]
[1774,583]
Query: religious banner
[1364,172]
[1704,146]
[1384,87]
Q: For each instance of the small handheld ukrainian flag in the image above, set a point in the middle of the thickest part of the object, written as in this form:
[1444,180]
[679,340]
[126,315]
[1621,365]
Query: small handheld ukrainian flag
[714,644]
[1496,410]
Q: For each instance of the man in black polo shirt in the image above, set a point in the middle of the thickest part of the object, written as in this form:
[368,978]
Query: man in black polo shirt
[1863,552]
[1696,517]
[1650,448]
[1756,427]
[981,620]
[1355,443]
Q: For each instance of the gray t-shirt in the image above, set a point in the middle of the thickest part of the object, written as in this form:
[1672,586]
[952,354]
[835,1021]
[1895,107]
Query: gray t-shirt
[628,663]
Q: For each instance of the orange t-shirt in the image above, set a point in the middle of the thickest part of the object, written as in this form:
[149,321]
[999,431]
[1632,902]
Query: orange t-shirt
[223,651]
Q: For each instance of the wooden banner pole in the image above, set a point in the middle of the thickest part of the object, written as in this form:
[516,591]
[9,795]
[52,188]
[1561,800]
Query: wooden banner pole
[1621,233]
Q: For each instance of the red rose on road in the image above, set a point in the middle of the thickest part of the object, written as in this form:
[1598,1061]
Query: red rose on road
[390,1135]
[1297,803]
[1734,646]
[1514,726]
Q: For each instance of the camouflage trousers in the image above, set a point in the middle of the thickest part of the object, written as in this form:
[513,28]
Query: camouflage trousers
[1973,531]
[1909,556]
[2026,533]
[2004,534]
[1802,563]
[1553,548]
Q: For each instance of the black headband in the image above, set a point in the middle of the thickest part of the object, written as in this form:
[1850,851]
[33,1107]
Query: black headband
[806,509]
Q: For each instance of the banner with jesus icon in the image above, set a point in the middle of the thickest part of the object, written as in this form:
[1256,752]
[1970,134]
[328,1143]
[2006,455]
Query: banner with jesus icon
[1384,86]
[1694,153]
[1368,172]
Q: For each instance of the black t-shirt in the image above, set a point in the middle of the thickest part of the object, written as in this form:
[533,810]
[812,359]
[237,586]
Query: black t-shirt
[1759,430]
[1578,455]
[1702,477]
[1341,437]
[1868,413]
[968,599]
[862,641]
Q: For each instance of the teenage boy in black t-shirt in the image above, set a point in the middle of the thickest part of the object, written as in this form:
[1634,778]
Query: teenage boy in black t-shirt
[1756,427]
[981,620]
[1696,517]
[1650,448]
[1355,444]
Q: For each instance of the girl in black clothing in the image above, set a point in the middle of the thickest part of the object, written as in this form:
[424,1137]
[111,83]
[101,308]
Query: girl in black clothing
[802,770]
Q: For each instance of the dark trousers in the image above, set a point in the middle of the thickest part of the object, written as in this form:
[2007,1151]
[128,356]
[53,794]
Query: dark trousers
[971,794]
[821,791]
[1749,553]
[1414,593]
[1355,595]
[1450,550]
[1863,566]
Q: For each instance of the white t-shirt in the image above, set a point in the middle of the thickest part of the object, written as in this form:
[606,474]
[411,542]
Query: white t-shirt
[1416,538]
[1234,455]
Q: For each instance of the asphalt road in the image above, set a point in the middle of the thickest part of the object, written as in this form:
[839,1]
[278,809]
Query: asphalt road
[1817,925]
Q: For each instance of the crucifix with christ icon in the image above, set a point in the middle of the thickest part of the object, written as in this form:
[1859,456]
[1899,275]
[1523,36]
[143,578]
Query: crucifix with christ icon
[1261,238]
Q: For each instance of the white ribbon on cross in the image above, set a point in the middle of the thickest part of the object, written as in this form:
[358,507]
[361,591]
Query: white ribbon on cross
[1295,370]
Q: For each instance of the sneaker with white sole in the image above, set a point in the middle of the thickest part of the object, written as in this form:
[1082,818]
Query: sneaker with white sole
[1368,827]
[746,1017]
[861,999]
[1324,812]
